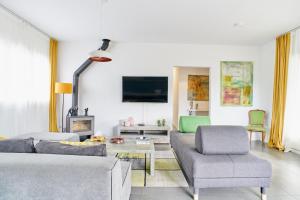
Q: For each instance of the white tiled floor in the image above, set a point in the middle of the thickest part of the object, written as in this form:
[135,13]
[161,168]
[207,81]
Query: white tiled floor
[285,182]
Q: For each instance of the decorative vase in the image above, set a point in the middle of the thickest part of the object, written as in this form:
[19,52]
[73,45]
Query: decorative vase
[158,123]
[163,122]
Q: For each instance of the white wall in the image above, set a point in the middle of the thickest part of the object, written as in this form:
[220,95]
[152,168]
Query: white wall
[266,73]
[175,96]
[100,86]
[184,104]
[181,104]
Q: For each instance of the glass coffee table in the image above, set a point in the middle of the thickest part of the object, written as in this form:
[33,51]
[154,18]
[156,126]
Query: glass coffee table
[130,146]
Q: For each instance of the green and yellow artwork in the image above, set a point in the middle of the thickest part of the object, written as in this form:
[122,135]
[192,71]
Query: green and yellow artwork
[236,83]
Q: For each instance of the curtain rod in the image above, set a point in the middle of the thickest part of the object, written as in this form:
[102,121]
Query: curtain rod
[293,29]
[23,20]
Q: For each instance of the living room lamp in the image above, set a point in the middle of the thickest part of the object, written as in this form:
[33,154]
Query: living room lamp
[100,55]
[63,88]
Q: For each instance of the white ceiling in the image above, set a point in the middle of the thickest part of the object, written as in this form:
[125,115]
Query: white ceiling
[174,21]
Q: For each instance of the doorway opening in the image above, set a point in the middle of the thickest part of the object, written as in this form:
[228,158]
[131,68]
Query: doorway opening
[191,92]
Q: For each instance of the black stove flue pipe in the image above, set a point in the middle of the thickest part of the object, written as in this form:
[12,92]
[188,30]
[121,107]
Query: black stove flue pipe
[74,110]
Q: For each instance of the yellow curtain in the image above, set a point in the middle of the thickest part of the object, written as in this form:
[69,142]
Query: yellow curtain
[279,91]
[53,74]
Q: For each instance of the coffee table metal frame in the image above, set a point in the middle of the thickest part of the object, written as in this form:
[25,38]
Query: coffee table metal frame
[130,146]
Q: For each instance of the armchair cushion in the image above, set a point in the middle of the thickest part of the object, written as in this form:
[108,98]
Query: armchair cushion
[258,128]
[256,117]
[219,140]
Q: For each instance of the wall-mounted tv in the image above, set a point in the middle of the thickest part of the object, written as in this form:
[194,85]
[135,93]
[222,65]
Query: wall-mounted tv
[145,89]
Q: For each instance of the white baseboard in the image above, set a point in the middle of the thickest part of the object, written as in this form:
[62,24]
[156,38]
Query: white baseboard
[263,197]
[196,197]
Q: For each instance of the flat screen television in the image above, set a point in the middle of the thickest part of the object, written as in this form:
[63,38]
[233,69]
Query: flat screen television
[145,89]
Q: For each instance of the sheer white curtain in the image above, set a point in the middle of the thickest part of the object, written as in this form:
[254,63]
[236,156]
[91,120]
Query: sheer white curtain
[291,131]
[24,77]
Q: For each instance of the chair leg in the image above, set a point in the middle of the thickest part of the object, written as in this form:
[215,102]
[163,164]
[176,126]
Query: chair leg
[250,136]
[263,193]
[196,194]
[263,136]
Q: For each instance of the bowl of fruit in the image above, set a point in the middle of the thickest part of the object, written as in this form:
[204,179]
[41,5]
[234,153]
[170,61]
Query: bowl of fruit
[98,138]
[117,140]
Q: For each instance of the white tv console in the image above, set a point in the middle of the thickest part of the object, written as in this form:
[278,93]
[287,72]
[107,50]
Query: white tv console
[160,134]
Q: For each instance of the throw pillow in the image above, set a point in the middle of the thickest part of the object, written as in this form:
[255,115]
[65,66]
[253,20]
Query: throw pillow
[48,147]
[2,137]
[79,143]
[17,146]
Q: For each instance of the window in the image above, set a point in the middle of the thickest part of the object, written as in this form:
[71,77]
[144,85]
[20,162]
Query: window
[24,77]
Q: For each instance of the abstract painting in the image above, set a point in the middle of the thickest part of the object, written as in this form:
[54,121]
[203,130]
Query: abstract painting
[198,88]
[236,83]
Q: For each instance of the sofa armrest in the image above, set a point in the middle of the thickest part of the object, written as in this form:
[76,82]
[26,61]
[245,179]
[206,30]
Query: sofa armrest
[72,137]
[116,181]
[126,180]
[36,176]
